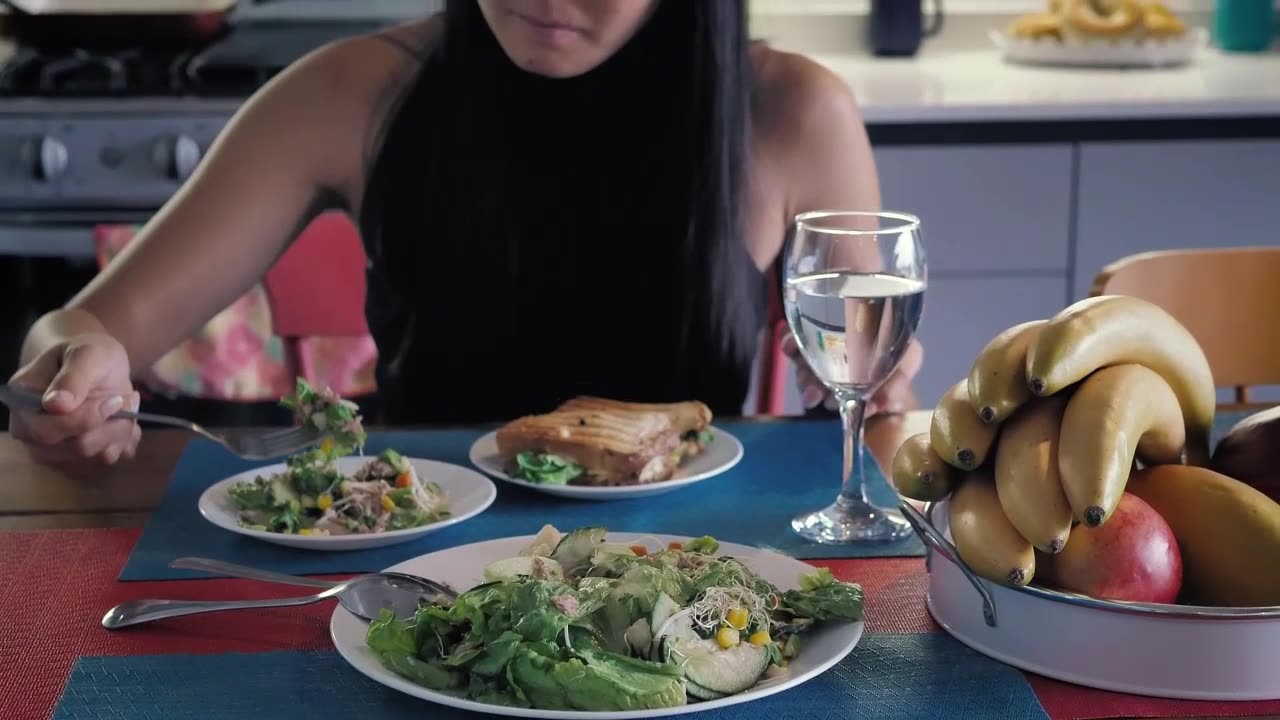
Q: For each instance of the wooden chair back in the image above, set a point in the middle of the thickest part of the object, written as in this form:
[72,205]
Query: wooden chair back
[1228,298]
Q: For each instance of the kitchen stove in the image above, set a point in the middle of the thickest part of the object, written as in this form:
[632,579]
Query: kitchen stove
[109,136]
[88,139]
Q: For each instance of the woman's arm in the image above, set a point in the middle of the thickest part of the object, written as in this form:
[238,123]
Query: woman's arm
[296,148]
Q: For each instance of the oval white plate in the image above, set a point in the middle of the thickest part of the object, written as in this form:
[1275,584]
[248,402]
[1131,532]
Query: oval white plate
[461,567]
[470,494]
[722,454]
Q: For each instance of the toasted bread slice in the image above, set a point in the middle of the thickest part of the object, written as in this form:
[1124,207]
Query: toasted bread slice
[617,443]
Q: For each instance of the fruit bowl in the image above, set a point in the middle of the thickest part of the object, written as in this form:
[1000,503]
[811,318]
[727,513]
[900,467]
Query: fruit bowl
[1171,651]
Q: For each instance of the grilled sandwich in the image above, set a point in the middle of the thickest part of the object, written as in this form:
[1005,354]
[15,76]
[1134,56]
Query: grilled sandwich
[595,441]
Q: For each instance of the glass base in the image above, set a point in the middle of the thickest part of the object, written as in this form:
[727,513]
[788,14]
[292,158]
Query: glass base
[851,521]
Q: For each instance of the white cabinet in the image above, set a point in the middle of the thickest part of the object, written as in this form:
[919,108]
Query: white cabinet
[1142,196]
[984,208]
[998,225]
[961,315]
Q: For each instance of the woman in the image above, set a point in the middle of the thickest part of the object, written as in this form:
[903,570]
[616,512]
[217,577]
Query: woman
[556,197]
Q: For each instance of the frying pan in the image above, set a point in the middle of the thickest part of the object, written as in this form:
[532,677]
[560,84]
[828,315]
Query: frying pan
[104,25]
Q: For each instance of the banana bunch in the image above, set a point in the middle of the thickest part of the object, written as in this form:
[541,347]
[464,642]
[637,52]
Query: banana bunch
[1046,429]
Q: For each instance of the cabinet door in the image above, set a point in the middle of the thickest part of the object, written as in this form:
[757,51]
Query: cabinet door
[1143,196]
[984,208]
[960,316]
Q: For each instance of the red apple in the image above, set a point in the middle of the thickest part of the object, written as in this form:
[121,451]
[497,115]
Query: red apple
[1132,556]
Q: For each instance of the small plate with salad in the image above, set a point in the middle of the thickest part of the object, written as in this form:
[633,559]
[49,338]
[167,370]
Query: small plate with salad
[334,497]
[592,624]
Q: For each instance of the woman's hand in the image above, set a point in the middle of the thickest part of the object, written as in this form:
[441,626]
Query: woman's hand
[894,396]
[83,381]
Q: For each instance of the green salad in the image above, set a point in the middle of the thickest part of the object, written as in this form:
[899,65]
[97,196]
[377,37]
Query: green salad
[578,623]
[312,496]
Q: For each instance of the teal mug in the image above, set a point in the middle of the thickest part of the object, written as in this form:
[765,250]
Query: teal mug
[1244,25]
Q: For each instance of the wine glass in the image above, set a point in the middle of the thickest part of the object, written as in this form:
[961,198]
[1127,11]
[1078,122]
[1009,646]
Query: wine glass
[853,293]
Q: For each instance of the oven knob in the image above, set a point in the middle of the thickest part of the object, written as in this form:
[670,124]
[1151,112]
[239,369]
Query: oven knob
[182,157]
[50,159]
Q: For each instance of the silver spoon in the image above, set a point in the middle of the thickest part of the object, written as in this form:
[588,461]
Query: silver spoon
[364,596]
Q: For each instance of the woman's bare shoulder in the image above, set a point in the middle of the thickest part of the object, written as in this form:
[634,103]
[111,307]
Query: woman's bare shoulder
[339,95]
[365,68]
[810,131]
[796,97]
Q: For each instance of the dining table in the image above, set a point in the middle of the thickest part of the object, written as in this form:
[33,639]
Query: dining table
[67,532]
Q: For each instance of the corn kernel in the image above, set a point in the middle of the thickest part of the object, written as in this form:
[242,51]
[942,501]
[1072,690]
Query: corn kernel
[727,637]
[760,638]
[388,504]
[326,446]
[325,501]
[304,531]
[738,618]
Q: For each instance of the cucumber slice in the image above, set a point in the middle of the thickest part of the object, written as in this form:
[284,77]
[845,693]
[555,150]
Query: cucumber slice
[663,608]
[711,667]
[694,690]
[525,565]
[575,549]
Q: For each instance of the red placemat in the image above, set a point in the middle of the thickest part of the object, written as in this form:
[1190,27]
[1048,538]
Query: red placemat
[56,585]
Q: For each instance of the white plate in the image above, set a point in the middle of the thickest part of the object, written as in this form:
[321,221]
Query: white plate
[722,454]
[462,567]
[1102,53]
[470,494]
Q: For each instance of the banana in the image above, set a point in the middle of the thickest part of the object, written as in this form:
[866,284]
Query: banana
[958,435]
[984,537]
[1117,329]
[918,472]
[1026,471]
[1117,413]
[998,380]
[1228,532]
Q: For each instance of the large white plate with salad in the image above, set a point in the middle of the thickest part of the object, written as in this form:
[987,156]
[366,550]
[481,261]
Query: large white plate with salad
[721,454]
[607,625]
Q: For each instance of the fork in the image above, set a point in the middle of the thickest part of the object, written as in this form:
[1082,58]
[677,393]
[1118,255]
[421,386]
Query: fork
[250,444]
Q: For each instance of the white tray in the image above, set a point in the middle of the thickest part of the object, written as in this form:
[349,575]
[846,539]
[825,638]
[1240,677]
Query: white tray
[1102,53]
[1170,651]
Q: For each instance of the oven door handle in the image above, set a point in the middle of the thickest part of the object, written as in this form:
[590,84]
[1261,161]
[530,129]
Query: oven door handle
[73,242]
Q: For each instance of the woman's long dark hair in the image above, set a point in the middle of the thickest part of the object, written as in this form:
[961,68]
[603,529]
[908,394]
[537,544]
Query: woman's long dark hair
[644,158]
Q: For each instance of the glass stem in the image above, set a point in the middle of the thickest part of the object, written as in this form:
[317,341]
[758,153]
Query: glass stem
[853,487]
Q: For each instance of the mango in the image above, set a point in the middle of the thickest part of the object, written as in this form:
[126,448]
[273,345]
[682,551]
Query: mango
[1227,531]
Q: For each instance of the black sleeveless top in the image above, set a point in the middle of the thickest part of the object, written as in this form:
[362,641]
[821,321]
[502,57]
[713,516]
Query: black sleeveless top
[504,286]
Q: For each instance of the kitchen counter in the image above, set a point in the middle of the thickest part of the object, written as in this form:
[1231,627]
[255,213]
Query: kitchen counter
[960,76]
[977,85]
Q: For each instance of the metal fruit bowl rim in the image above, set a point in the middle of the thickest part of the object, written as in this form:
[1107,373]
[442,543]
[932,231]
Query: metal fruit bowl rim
[935,541]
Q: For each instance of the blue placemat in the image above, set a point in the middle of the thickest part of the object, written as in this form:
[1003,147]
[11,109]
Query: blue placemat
[921,677]
[787,468]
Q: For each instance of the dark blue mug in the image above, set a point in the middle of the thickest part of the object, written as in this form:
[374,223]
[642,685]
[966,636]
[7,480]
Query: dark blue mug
[897,27]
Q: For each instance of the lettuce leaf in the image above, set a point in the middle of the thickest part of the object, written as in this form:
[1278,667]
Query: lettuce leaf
[545,468]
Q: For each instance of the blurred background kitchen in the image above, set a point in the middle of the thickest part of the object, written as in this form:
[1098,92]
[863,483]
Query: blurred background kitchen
[1032,168]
